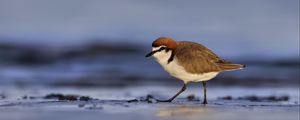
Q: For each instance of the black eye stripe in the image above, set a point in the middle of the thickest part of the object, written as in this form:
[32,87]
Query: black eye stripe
[162,48]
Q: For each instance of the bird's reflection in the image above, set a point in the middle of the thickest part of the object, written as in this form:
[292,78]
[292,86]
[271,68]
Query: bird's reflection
[184,111]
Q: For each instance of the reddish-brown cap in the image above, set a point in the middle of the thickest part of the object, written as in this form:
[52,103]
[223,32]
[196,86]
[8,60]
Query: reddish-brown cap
[166,41]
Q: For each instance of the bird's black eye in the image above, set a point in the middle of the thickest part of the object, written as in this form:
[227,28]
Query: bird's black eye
[167,49]
[162,48]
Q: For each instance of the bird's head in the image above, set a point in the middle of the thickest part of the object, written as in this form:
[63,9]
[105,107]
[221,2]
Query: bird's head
[162,44]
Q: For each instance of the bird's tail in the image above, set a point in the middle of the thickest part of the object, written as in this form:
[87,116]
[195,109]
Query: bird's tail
[231,66]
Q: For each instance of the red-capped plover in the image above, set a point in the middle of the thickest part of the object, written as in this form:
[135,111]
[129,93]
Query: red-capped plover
[189,62]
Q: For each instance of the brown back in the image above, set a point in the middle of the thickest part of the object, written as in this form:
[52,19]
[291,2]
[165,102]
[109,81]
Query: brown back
[196,58]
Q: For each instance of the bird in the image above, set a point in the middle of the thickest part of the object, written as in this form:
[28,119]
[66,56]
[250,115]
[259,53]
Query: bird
[189,62]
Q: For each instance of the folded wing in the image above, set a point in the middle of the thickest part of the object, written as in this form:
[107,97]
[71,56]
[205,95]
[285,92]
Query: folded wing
[198,59]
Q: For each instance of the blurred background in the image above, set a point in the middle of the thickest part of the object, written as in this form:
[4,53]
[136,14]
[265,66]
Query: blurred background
[102,43]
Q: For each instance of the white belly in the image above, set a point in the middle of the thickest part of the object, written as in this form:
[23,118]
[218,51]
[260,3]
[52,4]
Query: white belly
[174,69]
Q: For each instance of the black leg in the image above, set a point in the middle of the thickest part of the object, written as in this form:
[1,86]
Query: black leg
[204,85]
[178,93]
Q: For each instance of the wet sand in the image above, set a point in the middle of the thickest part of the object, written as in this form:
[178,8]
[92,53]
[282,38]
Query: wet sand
[118,109]
[112,103]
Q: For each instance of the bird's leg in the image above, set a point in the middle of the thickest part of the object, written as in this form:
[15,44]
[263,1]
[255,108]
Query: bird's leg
[204,85]
[178,93]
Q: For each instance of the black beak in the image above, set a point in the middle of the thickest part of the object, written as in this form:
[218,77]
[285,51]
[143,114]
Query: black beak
[150,54]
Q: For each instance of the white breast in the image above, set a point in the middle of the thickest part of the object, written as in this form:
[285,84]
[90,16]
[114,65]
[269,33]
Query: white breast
[174,69]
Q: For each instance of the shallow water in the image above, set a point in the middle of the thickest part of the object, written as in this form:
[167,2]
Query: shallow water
[111,103]
[149,111]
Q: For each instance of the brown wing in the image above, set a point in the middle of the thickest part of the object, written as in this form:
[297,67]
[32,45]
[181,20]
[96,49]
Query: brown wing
[196,58]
